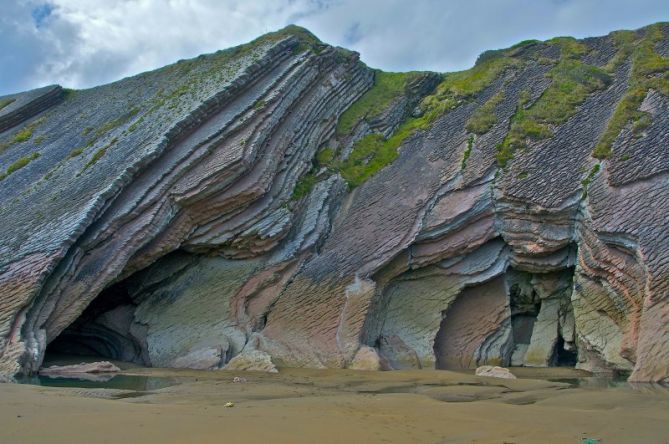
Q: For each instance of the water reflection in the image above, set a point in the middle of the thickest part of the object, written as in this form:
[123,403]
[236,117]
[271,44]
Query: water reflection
[98,381]
[614,382]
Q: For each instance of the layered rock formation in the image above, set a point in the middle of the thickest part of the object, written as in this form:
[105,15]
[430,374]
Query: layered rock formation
[282,204]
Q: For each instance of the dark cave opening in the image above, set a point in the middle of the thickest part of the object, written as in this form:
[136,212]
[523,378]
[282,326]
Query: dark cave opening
[564,357]
[538,318]
[105,329]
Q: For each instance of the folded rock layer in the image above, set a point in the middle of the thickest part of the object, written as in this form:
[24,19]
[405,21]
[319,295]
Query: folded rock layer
[280,203]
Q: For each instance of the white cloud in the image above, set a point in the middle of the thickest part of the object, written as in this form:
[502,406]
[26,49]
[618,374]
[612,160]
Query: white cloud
[87,42]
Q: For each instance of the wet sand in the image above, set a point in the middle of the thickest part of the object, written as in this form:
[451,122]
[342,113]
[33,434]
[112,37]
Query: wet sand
[336,406]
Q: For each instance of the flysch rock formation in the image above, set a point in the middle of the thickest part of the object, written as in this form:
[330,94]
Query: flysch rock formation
[282,204]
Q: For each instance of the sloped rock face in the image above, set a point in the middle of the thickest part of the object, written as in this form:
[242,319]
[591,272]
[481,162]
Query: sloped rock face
[201,156]
[172,205]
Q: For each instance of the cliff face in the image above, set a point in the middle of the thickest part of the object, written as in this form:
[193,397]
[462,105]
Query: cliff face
[282,203]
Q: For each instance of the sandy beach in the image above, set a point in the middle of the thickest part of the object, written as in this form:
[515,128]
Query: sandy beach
[336,406]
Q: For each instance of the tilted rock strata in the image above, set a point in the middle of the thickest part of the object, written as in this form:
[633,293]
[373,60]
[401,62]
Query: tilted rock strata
[177,224]
[23,106]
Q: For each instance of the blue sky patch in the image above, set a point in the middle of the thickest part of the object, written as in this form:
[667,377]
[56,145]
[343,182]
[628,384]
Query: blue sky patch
[41,13]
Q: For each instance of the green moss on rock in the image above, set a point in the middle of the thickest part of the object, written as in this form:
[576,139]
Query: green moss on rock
[649,70]
[99,154]
[588,179]
[387,87]
[572,81]
[373,152]
[468,152]
[304,186]
[485,117]
[23,135]
[6,102]
[76,152]
[18,164]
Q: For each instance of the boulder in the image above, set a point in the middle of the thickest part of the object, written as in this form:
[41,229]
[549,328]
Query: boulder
[494,372]
[367,358]
[252,360]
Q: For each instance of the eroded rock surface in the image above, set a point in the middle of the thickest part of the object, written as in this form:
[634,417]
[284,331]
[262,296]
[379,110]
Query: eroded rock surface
[214,214]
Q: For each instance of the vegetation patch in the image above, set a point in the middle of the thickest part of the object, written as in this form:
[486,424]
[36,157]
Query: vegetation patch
[76,152]
[20,163]
[98,155]
[307,41]
[387,87]
[588,179]
[485,117]
[649,71]
[468,152]
[6,102]
[325,157]
[373,152]
[459,86]
[136,124]
[23,135]
[112,124]
[512,51]
[306,183]
[571,83]
[69,93]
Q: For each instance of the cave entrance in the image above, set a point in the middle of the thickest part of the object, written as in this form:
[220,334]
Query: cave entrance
[542,319]
[105,329]
[517,319]
[565,356]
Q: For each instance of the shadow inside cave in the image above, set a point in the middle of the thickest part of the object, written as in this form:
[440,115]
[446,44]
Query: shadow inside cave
[105,329]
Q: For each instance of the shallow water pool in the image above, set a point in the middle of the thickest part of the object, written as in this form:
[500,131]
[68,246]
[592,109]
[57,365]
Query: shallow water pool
[102,381]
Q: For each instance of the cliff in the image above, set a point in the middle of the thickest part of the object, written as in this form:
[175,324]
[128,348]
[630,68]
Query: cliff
[282,203]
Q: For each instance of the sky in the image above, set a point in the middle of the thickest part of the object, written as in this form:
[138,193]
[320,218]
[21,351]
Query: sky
[83,43]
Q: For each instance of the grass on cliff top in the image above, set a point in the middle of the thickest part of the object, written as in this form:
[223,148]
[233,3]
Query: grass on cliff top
[6,102]
[387,87]
[192,79]
[373,152]
[459,86]
[649,71]
[17,165]
[572,81]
